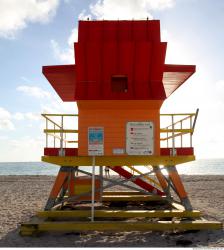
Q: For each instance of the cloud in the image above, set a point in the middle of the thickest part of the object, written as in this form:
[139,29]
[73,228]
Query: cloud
[128,9]
[5,120]
[65,55]
[19,116]
[34,91]
[106,9]
[25,148]
[15,15]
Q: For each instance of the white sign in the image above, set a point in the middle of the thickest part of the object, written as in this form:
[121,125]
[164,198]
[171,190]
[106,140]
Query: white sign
[139,138]
[95,141]
[118,151]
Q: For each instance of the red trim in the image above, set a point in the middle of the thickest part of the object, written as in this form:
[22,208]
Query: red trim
[55,151]
[179,151]
[138,181]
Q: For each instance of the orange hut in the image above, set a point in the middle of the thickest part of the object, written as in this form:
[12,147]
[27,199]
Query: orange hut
[119,82]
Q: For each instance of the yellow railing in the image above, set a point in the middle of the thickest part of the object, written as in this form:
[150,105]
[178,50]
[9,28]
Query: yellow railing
[185,125]
[55,127]
[58,131]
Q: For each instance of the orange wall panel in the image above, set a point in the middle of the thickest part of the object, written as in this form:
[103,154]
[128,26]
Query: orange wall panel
[106,114]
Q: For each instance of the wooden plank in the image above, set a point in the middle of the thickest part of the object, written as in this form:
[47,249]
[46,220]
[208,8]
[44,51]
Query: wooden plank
[122,193]
[121,213]
[60,131]
[132,198]
[118,160]
[121,226]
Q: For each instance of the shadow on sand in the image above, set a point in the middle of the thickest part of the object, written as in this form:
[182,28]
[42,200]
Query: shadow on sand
[116,239]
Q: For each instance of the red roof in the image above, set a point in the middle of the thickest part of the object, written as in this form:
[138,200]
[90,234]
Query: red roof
[63,79]
[175,75]
[118,60]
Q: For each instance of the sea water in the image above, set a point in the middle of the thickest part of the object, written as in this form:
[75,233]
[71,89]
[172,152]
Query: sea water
[198,167]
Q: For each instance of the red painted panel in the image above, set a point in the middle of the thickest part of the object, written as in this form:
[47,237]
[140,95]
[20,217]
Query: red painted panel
[140,31]
[93,66]
[141,70]
[109,67]
[179,151]
[55,151]
[80,55]
[124,66]
[154,30]
[125,32]
[157,67]
[95,32]
[175,75]
[83,34]
[137,181]
[105,48]
[126,62]
[109,31]
[63,80]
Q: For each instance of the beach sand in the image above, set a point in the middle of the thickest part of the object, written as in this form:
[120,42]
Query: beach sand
[22,196]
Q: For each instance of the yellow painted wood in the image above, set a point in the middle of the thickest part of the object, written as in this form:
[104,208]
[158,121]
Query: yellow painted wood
[124,226]
[179,114]
[120,213]
[122,193]
[172,136]
[117,160]
[145,176]
[44,115]
[132,198]
[60,131]
[164,130]
[79,189]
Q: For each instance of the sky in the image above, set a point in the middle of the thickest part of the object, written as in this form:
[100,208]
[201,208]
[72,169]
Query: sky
[34,33]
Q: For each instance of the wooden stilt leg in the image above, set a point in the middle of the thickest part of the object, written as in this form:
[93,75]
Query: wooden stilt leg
[161,178]
[176,180]
[72,183]
[58,185]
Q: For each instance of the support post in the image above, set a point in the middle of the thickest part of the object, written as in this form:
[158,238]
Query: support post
[101,182]
[161,178]
[176,180]
[59,184]
[93,188]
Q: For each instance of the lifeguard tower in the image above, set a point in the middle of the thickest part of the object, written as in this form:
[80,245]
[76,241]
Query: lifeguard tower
[119,82]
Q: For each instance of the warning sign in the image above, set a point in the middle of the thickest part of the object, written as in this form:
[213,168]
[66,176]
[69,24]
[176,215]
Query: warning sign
[139,138]
[95,141]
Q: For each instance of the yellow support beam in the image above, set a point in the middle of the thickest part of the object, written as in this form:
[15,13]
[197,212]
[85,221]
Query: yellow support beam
[60,131]
[68,226]
[164,130]
[132,198]
[122,193]
[145,176]
[120,214]
[179,114]
[117,160]
[44,115]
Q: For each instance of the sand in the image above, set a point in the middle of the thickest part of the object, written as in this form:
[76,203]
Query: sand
[22,196]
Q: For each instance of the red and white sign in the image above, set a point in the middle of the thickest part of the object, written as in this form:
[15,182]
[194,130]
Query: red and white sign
[140,138]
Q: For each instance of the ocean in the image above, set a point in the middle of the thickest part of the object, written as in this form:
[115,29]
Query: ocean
[198,167]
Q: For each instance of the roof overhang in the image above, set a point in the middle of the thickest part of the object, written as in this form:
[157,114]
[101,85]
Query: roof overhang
[62,78]
[175,75]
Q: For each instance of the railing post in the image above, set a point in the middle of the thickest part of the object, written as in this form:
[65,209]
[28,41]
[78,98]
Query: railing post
[167,140]
[173,139]
[93,188]
[54,135]
[181,137]
[191,133]
[61,137]
[46,134]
